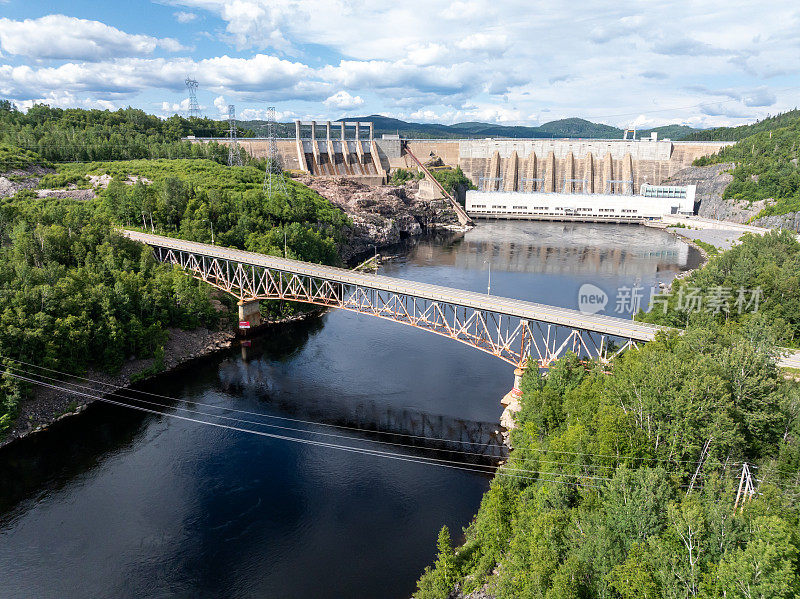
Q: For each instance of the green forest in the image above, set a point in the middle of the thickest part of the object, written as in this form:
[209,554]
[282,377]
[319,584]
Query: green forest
[766,163]
[77,135]
[770,263]
[742,131]
[608,492]
[76,294]
[623,478]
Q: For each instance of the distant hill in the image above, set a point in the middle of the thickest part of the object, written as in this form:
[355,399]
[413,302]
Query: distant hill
[676,132]
[575,127]
[569,128]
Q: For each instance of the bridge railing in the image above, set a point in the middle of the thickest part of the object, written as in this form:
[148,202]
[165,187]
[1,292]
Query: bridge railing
[510,338]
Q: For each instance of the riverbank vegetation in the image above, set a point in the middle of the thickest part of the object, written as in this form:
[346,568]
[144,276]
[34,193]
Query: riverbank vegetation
[623,480]
[759,277]
[766,163]
[600,497]
[76,294]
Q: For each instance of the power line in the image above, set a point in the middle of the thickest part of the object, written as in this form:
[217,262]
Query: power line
[274,168]
[347,448]
[406,435]
[460,465]
[303,431]
[677,108]
[194,107]
[234,154]
[282,418]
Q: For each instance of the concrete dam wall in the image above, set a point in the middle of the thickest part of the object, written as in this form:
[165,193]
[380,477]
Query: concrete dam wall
[548,165]
[565,165]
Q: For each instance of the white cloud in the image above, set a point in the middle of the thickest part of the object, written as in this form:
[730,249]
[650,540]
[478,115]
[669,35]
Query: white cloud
[462,10]
[261,73]
[183,16]
[759,97]
[63,37]
[221,105]
[344,101]
[428,54]
[728,109]
[485,42]
[471,112]
[260,114]
[464,60]
[64,99]
[168,109]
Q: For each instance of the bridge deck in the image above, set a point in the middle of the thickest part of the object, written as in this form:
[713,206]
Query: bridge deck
[607,325]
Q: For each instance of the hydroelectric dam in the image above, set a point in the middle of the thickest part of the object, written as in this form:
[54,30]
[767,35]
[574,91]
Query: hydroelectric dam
[606,166]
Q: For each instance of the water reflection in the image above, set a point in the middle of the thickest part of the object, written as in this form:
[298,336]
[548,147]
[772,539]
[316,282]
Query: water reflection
[557,248]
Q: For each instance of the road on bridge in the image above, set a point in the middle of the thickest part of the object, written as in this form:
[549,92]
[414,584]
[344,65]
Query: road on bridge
[597,323]
[607,325]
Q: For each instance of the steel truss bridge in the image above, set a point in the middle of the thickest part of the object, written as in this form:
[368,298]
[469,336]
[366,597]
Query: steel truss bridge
[512,330]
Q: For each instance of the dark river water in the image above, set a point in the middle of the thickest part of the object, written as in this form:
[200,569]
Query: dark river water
[119,503]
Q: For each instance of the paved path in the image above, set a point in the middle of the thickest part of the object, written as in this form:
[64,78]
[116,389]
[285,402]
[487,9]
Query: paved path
[719,233]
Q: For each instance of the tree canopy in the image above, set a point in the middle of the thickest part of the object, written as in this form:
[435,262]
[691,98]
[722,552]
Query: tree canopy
[78,135]
[599,497]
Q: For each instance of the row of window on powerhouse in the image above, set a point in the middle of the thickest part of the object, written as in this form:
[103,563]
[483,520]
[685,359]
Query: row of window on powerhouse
[545,209]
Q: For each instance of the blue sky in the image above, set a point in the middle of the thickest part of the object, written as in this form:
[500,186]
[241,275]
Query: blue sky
[508,61]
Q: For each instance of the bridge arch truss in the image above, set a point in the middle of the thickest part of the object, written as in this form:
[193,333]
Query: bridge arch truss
[510,337]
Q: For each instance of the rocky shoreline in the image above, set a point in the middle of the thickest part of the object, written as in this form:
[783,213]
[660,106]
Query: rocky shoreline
[383,215]
[47,406]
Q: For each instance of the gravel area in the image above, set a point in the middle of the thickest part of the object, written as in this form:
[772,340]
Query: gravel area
[722,239]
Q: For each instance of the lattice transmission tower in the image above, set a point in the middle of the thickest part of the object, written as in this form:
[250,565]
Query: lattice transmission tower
[194,107]
[273,176]
[234,154]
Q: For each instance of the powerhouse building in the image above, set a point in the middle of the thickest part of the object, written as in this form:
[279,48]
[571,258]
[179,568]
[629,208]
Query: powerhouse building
[653,202]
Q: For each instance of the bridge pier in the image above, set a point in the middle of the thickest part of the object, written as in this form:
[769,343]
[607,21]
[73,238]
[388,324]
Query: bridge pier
[250,312]
[512,401]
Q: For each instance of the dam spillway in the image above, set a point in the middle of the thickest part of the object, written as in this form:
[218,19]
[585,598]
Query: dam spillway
[609,166]
[354,157]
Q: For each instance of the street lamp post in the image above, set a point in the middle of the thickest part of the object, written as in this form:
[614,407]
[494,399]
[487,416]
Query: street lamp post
[212,230]
[489,284]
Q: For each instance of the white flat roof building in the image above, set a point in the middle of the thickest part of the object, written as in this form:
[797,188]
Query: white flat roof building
[655,202]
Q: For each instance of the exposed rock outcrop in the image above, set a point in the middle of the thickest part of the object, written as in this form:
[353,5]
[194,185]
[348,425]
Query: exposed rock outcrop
[789,221]
[64,194]
[18,179]
[382,215]
[711,182]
